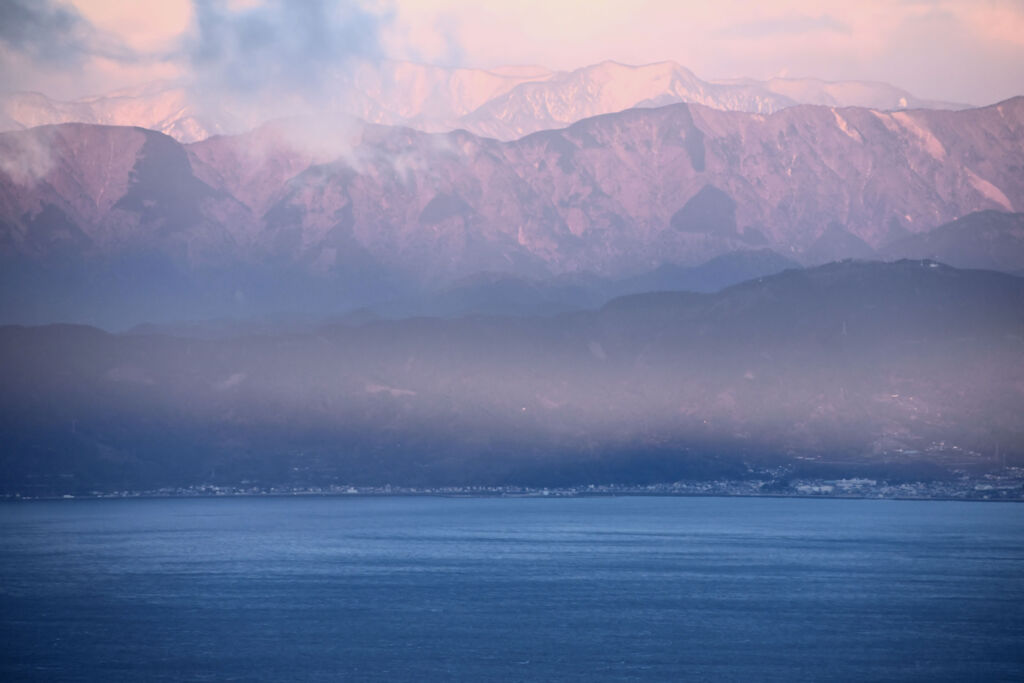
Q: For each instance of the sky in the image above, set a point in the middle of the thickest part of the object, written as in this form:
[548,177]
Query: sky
[969,51]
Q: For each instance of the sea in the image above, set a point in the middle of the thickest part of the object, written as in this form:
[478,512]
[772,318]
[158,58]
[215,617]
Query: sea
[357,588]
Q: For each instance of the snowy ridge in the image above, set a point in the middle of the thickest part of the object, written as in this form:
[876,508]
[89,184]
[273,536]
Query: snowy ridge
[504,103]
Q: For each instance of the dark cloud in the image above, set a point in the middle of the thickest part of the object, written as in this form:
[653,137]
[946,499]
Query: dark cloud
[50,33]
[280,45]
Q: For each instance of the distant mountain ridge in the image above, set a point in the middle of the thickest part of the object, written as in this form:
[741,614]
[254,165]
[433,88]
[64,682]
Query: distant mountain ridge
[505,103]
[508,295]
[990,240]
[296,217]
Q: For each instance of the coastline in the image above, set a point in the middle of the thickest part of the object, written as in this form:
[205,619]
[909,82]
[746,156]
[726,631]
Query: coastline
[1008,487]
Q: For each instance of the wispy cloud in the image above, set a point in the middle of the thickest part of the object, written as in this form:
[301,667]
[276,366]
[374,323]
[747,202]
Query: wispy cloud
[27,158]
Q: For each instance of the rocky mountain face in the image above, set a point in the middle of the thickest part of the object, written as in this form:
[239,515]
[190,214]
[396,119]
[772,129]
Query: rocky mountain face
[505,103]
[350,209]
[847,365]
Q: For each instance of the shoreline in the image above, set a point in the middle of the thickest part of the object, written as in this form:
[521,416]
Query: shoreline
[530,494]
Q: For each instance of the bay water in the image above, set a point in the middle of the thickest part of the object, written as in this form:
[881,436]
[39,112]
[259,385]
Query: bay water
[431,588]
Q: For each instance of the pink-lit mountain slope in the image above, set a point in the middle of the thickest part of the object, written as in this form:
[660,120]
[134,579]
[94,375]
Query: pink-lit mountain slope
[614,195]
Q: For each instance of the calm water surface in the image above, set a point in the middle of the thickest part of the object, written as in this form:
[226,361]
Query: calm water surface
[512,589]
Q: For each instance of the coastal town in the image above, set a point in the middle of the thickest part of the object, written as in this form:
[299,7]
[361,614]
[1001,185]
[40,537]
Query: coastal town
[1006,484]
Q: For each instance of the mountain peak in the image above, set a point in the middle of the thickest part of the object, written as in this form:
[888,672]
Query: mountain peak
[500,102]
[369,211]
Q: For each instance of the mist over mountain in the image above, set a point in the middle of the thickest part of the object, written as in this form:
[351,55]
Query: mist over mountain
[844,365]
[505,103]
[118,226]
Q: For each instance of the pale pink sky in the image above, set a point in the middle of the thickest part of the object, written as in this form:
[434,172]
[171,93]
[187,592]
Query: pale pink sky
[957,50]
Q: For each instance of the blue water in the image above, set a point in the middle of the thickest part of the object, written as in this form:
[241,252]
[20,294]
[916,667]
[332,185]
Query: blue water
[414,589]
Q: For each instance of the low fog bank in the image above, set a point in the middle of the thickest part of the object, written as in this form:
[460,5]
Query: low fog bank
[852,368]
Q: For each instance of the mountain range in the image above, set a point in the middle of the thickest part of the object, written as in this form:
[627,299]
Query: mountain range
[433,277]
[505,103]
[989,240]
[311,216]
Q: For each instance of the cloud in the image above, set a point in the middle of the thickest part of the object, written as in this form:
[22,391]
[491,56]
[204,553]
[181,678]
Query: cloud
[55,34]
[145,26]
[26,158]
[271,49]
[46,32]
[275,59]
[279,46]
[52,47]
